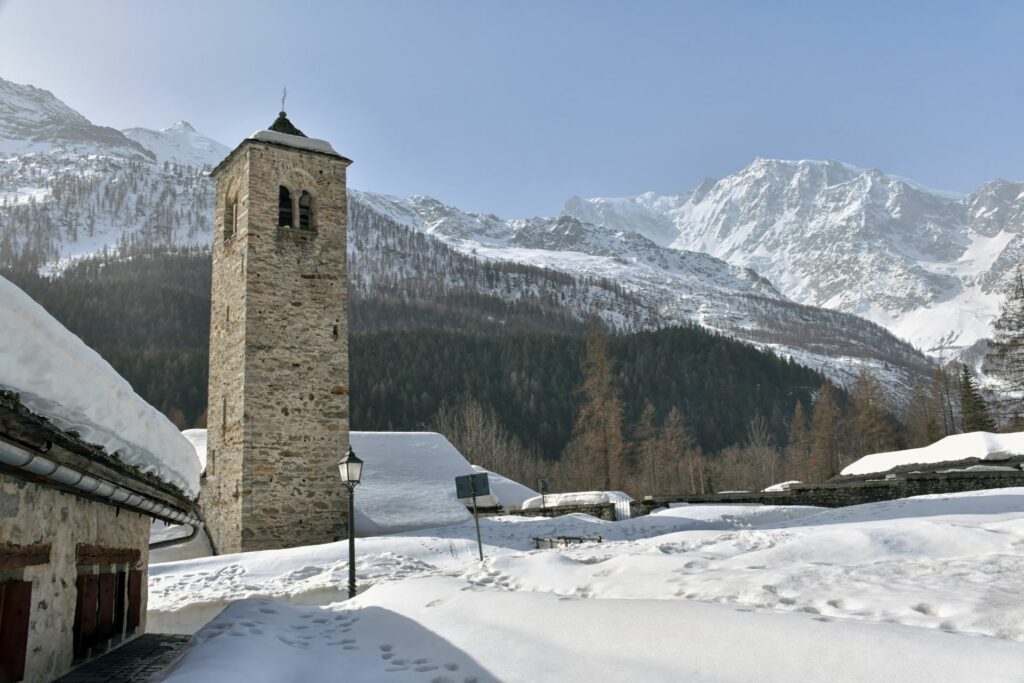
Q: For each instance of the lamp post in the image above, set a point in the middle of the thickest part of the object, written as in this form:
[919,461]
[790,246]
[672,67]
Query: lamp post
[351,469]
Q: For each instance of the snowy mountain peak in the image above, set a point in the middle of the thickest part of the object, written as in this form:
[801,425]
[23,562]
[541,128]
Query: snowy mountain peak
[927,264]
[33,120]
[179,143]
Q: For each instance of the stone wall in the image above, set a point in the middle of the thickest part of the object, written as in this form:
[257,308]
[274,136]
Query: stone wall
[278,410]
[856,492]
[220,497]
[32,514]
[835,494]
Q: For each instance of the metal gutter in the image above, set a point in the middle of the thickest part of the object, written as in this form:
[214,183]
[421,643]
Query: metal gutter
[37,465]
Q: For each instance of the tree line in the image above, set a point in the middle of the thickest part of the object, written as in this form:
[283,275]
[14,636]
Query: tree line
[677,410]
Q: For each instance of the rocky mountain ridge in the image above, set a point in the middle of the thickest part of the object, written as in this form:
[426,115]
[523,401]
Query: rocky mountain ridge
[927,265]
[68,187]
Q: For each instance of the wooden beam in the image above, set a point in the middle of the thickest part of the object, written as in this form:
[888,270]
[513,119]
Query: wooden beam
[88,554]
[21,556]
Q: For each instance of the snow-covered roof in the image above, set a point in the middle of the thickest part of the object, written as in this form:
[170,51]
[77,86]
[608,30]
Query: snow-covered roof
[408,482]
[504,491]
[781,486]
[980,445]
[60,378]
[576,498]
[197,437]
[297,141]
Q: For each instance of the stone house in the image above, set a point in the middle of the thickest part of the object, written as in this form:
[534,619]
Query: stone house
[85,466]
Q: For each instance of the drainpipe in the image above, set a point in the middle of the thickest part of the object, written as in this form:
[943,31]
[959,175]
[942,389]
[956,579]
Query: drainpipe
[37,465]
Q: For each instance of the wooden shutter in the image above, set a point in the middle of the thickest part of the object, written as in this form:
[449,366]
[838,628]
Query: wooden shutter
[15,608]
[134,600]
[105,616]
[85,614]
[120,601]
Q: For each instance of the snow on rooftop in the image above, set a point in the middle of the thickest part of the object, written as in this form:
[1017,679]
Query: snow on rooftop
[60,378]
[980,445]
[782,486]
[576,498]
[408,482]
[297,141]
[504,491]
[197,437]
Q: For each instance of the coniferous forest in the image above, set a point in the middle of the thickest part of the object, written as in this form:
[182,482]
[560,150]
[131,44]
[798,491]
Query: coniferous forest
[525,372]
[148,315]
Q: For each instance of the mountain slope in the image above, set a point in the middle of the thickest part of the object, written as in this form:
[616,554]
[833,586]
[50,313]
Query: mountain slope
[146,190]
[927,265]
[674,286]
[32,120]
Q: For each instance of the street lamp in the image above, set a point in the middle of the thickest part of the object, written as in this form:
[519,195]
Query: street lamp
[351,469]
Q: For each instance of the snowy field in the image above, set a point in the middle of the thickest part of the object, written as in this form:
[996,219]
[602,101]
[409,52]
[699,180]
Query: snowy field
[921,589]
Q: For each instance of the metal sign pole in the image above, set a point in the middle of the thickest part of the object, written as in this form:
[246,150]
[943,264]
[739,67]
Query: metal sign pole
[476,517]
[471,486]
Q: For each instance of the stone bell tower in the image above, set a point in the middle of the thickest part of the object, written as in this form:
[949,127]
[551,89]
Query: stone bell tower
[277,417]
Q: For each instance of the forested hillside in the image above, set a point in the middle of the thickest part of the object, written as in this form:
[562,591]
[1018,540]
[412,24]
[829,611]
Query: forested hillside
[533,381]
[149,316]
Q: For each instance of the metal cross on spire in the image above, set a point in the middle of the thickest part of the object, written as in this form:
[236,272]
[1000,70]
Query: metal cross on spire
[284,94]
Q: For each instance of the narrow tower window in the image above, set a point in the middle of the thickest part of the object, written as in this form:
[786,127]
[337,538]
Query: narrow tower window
[284,208]
[305,210]
[230,218]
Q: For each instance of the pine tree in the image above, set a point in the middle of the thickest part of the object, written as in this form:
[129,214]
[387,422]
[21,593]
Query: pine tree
[678,448]
[976,417]
[871,428]
[798,451]
[647,467]
[1005,358]
[596,449]
[824,461]
[943,402]
[922,418]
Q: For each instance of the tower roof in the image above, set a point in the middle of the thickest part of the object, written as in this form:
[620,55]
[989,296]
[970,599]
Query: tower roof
[282,125]
[283,133]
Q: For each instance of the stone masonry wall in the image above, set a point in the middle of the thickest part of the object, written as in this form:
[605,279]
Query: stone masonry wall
[220,497]
[605,511]
[275,481]
[31,514]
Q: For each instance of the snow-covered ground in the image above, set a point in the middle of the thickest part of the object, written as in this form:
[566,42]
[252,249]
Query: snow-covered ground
[928,589]
[980,445]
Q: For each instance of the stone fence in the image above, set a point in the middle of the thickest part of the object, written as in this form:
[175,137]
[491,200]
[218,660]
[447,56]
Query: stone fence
[851,492]
[836,493]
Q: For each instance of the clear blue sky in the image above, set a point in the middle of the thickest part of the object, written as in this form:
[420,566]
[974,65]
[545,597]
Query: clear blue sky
[511,107]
